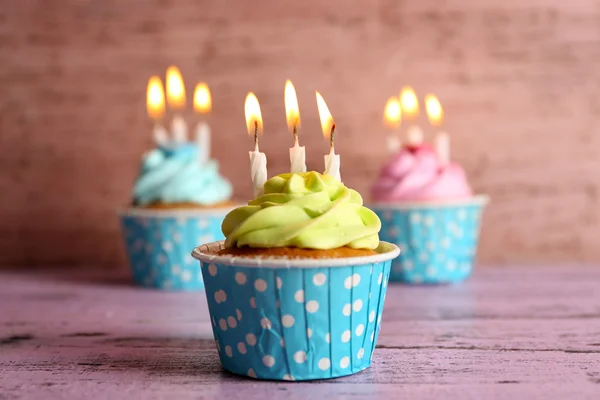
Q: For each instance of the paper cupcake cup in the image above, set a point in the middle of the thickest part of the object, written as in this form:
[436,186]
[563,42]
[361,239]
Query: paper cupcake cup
[158,244]
[299,319]
[438,240]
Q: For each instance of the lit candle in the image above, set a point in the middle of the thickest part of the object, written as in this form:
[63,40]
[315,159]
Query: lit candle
[155,106]
[176,101]
[292,114]
[332,160]
[258,160]
[202,105]
[392,117]
[410,110]
[435,114]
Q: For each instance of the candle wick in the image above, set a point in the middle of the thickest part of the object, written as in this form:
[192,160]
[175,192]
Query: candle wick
[331,138]
[255,135]
[295,133]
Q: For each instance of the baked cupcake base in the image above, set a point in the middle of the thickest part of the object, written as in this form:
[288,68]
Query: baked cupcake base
[158,243]
[438,239]
[295,319]
[295,252]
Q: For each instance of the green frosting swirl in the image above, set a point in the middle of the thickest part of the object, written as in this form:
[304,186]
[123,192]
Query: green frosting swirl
[306,210]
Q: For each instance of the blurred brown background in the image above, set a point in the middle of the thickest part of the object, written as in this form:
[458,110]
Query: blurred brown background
[518,80]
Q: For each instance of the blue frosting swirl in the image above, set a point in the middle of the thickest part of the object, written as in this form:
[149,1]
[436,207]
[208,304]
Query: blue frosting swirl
[176,176]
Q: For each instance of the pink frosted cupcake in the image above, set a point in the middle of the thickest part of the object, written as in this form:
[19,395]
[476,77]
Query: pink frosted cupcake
[428,209]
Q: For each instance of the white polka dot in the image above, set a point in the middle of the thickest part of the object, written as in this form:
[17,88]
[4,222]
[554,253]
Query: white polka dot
[415,218]
[308,333]
[408,265]
[319,279]
[430,271]
[279,282]
[240,278]
[213,321]
[251,339]
[451,265]
[347,310]
[462,214]
[260,285]
[162,259]
[380,278]
[252,302]
[361,353]
[445,243]
[176,269]
[212,269]
[299,296]
[423,257]
[220,296]
[167,246]
[223,324]
[232,322]
[228,351]
[344,362]
[387,215]
[287,321]
[430,246]
[379,319]
[300,357]
[251,373]
[312,306]
[186,276]
[428,220]
[417,278]
[288,377]
[360,329]
[393,232]
[357,306]
[265,323]
[269,361]
[324,364]
[372,316]
[372,336]
[282,342]
[328,337]
[346,336]
[352,281]
[242,348]
[238,313]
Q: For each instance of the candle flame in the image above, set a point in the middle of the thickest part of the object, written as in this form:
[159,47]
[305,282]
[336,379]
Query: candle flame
[292,112]
[409,102]
[325,116]
[202,99]
[435,112]
[253,115]
[393,112]
[175,88]
[155,98]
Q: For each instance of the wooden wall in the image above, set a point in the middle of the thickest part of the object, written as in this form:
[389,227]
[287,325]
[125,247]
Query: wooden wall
[519,81]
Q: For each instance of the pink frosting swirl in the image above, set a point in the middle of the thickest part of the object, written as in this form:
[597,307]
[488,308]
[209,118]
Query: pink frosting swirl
[416,174]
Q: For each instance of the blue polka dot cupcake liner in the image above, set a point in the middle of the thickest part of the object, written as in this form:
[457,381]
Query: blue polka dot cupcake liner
[158,244]
[295,319]
[438,240]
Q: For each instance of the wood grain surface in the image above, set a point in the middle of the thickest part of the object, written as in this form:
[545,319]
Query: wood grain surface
[523,333]
[518,80]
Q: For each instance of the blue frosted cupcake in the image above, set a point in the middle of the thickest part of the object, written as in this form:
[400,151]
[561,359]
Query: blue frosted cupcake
[178,203]
[296,290]
[427,208]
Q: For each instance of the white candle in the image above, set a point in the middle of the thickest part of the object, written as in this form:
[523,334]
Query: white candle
[442,146]
[203,141]
[414,136]
[332,165]
[161,136]
[393,144]
[297,158]
[258,170]
[179,129]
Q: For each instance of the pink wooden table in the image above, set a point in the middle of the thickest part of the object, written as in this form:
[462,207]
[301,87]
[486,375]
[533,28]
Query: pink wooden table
[531,333]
